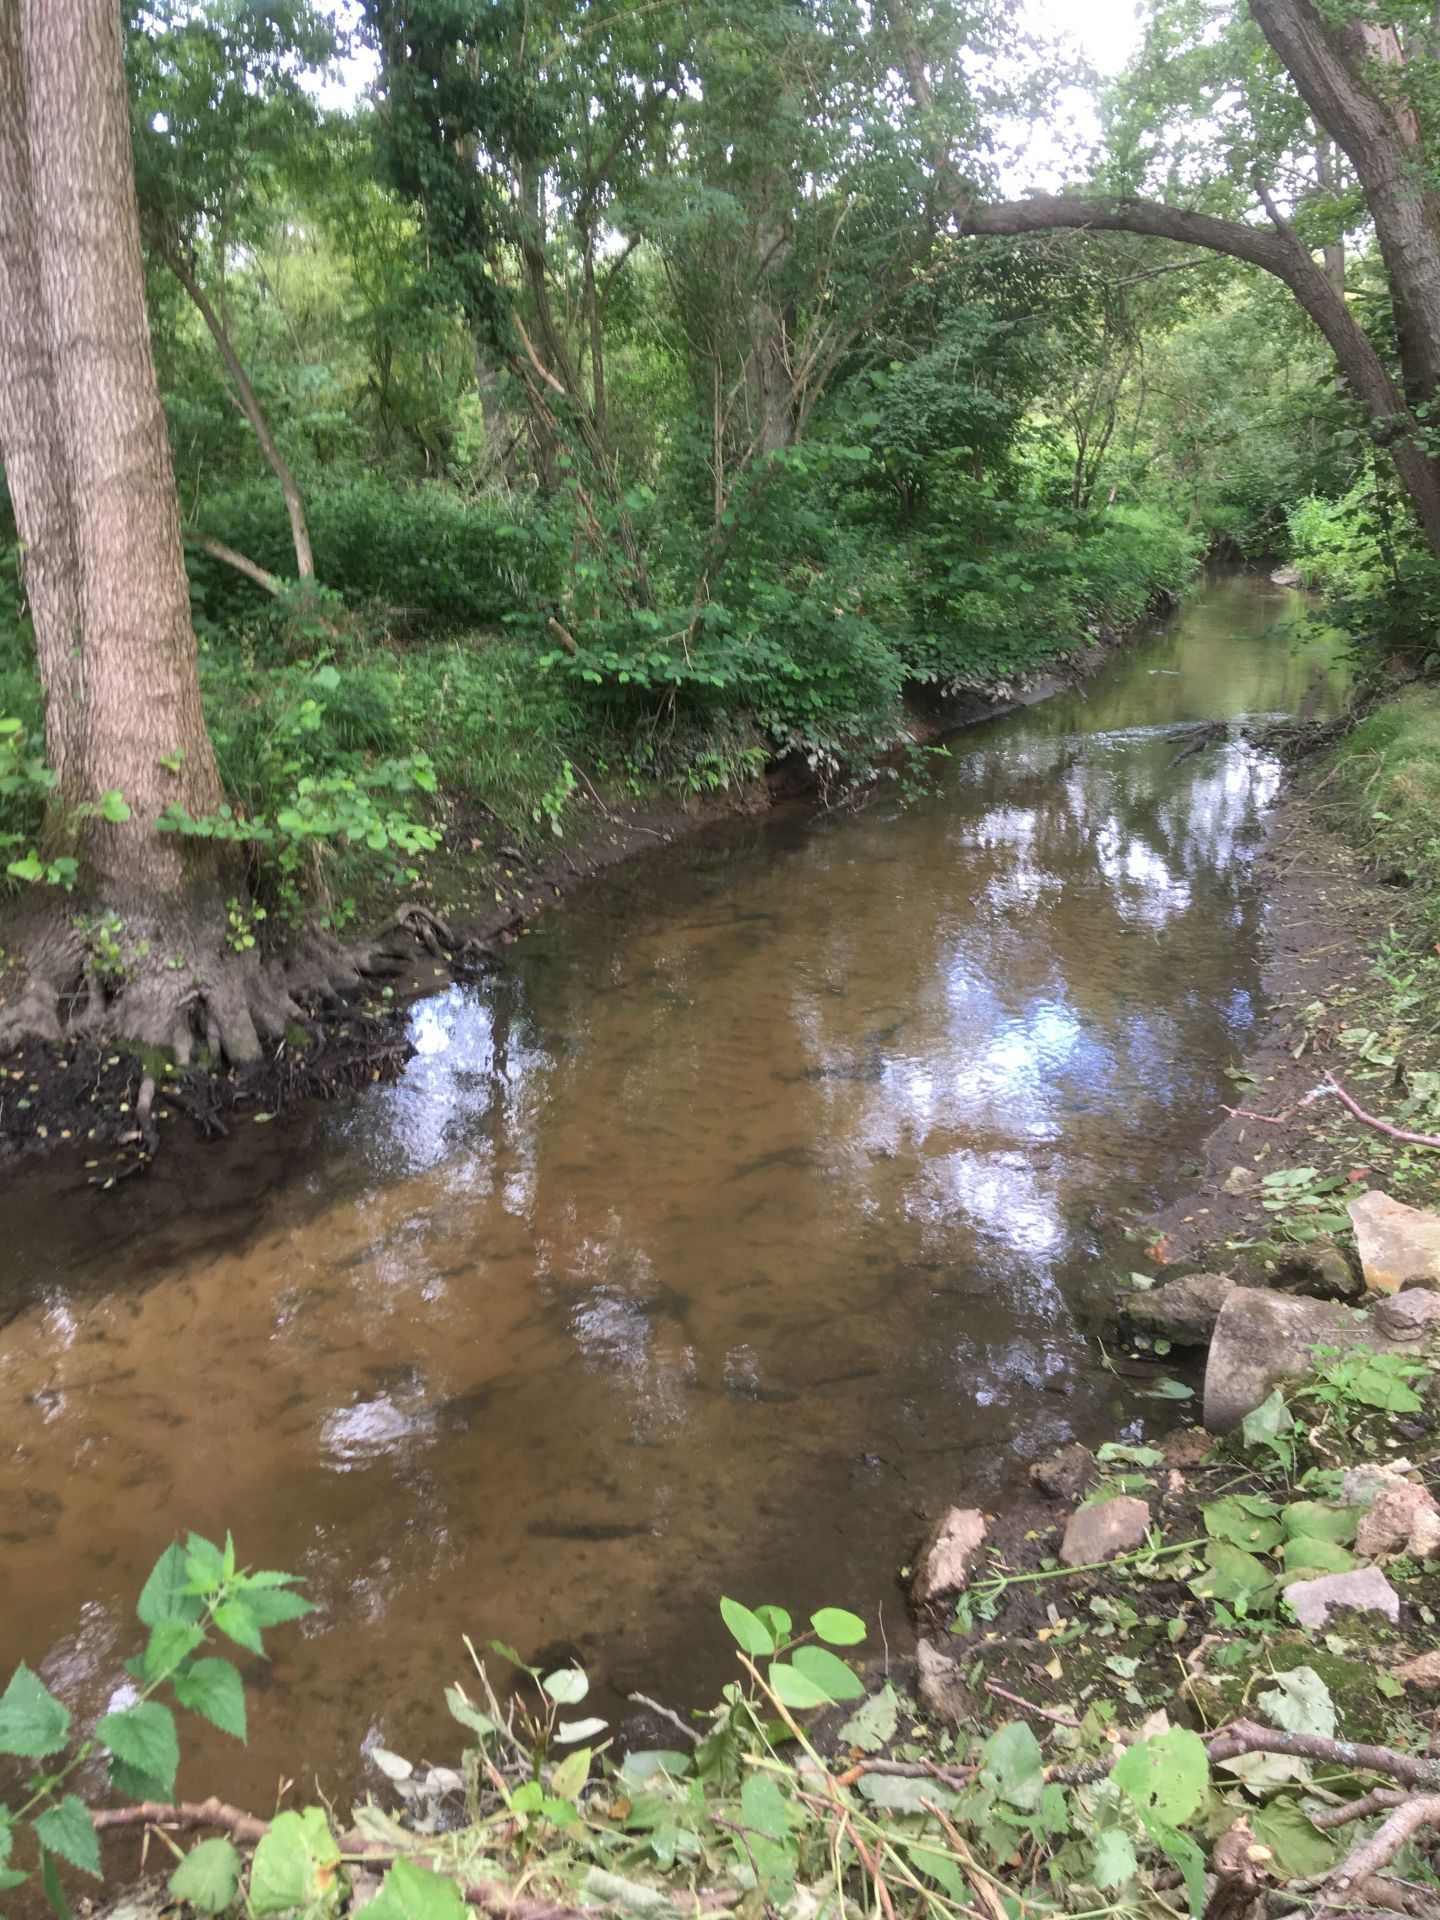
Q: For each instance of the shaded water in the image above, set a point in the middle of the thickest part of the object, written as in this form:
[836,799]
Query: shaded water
[744,1220]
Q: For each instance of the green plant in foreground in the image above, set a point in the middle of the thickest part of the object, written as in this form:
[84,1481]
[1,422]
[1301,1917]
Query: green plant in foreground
[194,1592]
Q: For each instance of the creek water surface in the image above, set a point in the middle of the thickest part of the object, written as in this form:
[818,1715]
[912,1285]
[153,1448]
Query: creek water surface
[747,1217]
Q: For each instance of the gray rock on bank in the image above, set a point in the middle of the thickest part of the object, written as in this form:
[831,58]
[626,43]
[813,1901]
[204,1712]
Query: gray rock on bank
[1397,1243]
[1262,1339]
[1102,1531]
[1182,1311]
[1366,1589]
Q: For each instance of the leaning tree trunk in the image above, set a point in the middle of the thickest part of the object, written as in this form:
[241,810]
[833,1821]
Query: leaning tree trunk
[84,433]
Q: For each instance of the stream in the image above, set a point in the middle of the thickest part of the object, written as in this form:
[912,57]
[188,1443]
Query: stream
[751,1213]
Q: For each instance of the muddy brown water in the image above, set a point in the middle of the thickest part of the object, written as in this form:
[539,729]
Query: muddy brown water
[750,1215]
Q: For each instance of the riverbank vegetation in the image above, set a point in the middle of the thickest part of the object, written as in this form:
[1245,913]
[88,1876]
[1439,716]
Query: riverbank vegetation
[584,409]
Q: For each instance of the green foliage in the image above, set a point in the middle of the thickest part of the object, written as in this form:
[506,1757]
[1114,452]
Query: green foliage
[194,1591]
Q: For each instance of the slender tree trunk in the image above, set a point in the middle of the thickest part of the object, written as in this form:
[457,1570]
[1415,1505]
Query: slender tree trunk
[177,259]
[34,459]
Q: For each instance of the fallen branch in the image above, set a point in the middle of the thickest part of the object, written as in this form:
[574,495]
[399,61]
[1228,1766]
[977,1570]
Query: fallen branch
[261,577]
[907,1770]
[1379,1850]
[1380,1126]
[1243,1736]
[183,1816]
[1031,1706]
[665,1713]
[1373,1802]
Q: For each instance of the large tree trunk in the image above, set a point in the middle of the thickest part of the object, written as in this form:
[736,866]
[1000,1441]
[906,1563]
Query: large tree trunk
[175,256]
[35,469]
[84,443]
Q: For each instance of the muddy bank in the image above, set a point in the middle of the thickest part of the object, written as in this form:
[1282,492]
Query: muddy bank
[476,896]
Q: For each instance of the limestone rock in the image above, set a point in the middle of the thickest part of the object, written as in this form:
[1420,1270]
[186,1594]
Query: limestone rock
[941,1690]
[1261,1339]
[1241,1180]
[1100,1532]
[1182,1311]
[1396,1242]
[944,1561]
[1422,1672]
[1366,1589]
[1287,577]
[1360,1485]
[1399,1513]
[1406,1319]
[1066,1475]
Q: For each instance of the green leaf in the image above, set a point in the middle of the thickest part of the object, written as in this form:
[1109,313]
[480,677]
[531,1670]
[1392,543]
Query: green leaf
[209,1875]
[415,1893]
[1306,1556]
[1300,1702]
[171,1643]
[215,1690]
[1319,1520]
[1190,1860]
[144,1736]
[273,1606]
[468,1715]
[870,1726]
[747,1629]
[164,1595]
[1115,1861]
[1268,1422]
[840,1628]
[204,1564]
[67,1829]
[114,807]
[1234,1576]
[54,1890]
[1011,1763]
[133,1783]
[1165,1777]
[567,1686]
[792,1689]
[829,1672]
[776,1622]
[1302,1850]
[236,1621]
[32,1721]
[292,1862]
[1245,1520]
[572,1773]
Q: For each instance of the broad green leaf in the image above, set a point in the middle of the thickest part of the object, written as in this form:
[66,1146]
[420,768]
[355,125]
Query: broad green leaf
[204,1564]
[292,1862]
[164,1595]
[793,1689]
[67,1829]
[1234,1576]
[415,1893]
[567,1686]
[747,1629]
[54,1888]
[840,1628]
[1188,1857]
[1319,1520]
[767,1836]
[32,1721]
[114,807]
[1300,1702]
[637,1768]
[572,1773]
[209,1875]
[171,1642]
[776,1622]
[1115,1861]
[1308,1557]
[1236,1519]
[1302,1850]
[829,1672]
[1268,1422]
[133,1783]
[144,1736]
[1011,1763]
[872,1725]
[236,1621]
[1165,1777]
[214,1689]
[469,1716]
[273,1606]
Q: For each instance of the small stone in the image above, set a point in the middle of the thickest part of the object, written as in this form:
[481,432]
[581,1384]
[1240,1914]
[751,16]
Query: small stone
[1182,1311]
[1422,1672]
[1360,1484]
[1066,1475]
[1424,1541]
[1100,1532]
[1241,1180]
[1261,1339]
[1186,1446]
[943,1563]
[1408,1318]
[1320,1271]
[941,1690]
[1367,1590]
[1396,1242]
[1392,1518]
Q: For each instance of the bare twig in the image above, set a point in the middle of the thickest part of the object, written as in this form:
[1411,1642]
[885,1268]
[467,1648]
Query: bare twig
[665,1713]
[183,1816]
[1373,1802]
[1380,1126]
[1030,1706]
[1380,1849]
